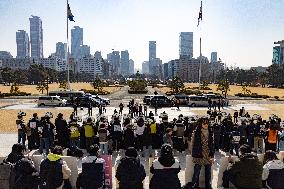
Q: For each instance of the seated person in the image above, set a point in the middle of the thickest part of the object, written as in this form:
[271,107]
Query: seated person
[273,171]
[93,170]
[245,172]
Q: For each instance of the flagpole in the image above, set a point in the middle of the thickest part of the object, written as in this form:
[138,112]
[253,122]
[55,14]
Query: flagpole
[67,61]
[200,66]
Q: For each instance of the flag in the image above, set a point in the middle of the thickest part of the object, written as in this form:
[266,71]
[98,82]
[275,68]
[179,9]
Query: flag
[200,15]
[69,14]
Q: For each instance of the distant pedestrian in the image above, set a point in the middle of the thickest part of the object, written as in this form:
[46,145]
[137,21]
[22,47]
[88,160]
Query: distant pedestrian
[90,109]
[177,103]
[145,110]
[75,109]
[120,108]
[140,109]
[214,104]
[209,103]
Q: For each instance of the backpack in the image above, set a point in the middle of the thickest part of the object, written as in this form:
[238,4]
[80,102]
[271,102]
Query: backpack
[7,175]
[51,174]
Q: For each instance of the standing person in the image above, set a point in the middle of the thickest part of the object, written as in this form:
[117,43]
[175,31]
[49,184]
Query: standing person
[100,109]
[90,109]
[52,130]
[74,133]
[75,109]
[165,170]
[62,130]
[151,115]
[202,152]
[140,129]
[121,108]
[103,138]
[33,138]
[130,172]
[89,132]
[156,108]
[217,135]
[236,115]
[209,103]
[179,128]
[219,104]
[93,170]
[45,129]
[235,140]
[250,133]
[116,133]
[140,109]
[242,112]
[271,137]
[145,110]
[177,103]
[167,139]
[281,139]
[128,136]
[214,104]
[21,126]
[53,170]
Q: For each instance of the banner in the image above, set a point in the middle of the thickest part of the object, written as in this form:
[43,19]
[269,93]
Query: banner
[108,171]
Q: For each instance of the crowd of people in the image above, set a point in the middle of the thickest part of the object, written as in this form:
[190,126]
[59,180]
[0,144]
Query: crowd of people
[138,135]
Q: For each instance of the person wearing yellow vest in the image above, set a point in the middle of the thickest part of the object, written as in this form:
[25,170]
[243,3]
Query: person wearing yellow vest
[154,136]
[89,132]
[74,132]
[271,137]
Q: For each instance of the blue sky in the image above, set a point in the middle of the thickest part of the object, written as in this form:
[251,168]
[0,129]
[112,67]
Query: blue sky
[241,31]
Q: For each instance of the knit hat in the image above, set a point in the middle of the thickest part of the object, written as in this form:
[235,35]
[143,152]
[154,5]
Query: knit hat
[131,152]
[166,150]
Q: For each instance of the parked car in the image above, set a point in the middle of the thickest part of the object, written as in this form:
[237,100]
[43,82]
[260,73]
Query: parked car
[161,101]
[182,98]
[51,101]
[101,100]
[197,101]
[85,100]
[67,94]
[147,99]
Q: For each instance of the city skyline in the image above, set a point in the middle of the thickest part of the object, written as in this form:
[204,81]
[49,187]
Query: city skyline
[241,32]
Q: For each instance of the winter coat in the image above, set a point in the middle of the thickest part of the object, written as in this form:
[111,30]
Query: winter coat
[13,158]
[62,131]
[130,173]
[281,141]
[116,130]
[53,170]
[197,143]
[167,139]
[165,177]
[128,138]
[93,173]
[24,178]
[273,174]
[247,171]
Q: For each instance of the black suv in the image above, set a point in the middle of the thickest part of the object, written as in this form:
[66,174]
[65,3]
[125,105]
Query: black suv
[85,100]
[161,101]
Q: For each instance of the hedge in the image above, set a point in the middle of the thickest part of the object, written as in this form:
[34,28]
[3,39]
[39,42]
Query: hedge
[137,92]
[2,95]
[252,95]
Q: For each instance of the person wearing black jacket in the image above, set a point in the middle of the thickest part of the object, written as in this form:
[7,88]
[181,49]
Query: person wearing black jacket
[165,170]
[62,130]
[32,134]
[130,172]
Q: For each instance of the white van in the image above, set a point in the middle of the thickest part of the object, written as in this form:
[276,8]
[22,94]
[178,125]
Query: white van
[51,101]
[197,101]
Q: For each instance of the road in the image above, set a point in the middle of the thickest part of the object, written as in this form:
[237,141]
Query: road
[123,96]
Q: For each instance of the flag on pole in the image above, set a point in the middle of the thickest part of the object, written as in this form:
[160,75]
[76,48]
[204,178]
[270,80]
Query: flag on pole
[69,14]
[200,15]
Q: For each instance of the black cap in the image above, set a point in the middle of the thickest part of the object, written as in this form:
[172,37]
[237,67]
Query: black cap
[131,152]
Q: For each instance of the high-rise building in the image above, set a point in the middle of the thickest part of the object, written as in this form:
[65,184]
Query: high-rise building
[85,51]
[23,44]
[36,35]
[5,55]
[114,60]
[61,50]
[131,66]
[98,55]
[152,55]
[145,67]
[166,71]
[76,41]
[214,57]
[278,53]
[186,44]
[124,63]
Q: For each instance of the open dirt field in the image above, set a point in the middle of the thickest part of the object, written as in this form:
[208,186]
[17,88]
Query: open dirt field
[54,86]
[237,89]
